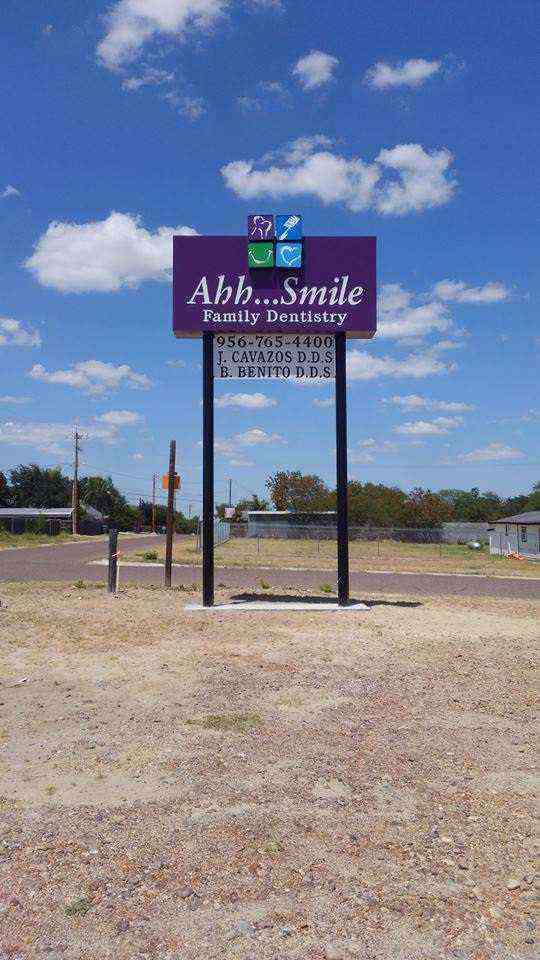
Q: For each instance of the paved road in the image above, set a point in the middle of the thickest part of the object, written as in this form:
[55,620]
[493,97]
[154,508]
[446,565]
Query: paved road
[71,562]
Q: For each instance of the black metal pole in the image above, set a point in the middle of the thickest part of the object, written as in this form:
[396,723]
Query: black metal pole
[113,560]
[170,515]
[208,470]
[342,477]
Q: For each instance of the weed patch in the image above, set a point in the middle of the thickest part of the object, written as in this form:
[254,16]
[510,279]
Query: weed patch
[238,722]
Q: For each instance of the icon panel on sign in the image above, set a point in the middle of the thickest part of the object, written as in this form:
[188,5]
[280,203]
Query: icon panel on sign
[261,226]
[289,256]
[260,255]
[289,227]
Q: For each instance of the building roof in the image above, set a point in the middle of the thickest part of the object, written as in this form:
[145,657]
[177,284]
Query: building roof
[533,516]
[29,513]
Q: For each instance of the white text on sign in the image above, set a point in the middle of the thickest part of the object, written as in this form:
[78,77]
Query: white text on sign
[276,356]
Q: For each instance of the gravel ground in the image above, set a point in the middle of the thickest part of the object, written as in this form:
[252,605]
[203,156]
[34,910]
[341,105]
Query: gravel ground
[202,786]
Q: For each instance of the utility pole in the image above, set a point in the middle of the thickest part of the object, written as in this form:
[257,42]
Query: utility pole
[154,503]
[75,487]
[170,514]
[230,493]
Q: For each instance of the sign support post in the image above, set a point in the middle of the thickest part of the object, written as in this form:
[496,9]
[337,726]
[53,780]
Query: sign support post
[170,515]
[208,470]
[342,471]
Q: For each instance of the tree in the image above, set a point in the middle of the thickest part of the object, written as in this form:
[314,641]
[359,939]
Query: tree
[5,492]
[292,490]
[375,504]
[34,486]
[534,499]
[471,506]
[425,509]
[182,524]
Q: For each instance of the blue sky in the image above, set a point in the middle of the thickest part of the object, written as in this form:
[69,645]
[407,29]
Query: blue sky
[124,122]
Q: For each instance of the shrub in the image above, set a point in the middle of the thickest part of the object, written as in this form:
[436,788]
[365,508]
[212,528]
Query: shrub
[151,555]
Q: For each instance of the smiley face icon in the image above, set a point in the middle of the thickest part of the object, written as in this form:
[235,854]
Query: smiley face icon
[260,255]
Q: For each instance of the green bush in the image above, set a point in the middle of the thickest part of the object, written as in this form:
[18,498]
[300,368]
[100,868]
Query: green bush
[151,555]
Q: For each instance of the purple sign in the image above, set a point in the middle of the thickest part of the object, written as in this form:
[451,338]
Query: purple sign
[215,291]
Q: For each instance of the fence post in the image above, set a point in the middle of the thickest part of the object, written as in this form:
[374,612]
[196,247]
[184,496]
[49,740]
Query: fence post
[112,584]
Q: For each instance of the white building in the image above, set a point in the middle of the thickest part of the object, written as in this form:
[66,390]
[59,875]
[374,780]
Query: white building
[519,534]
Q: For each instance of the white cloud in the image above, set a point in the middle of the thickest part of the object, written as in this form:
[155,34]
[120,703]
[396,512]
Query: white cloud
[10,191]
[193,108]
[401,180]
[249,104]
[175,363]
[120,418]
[251,401]
[378,446]
[411,73]
[354,456]
[103,255]
[426,428]
[414,402]
[492,292]
[493,451]
[131,24]
[273,86]
[150,77]
[399,319]
[94,377]
[14,334]
[16,400]
[324,403]
[365,366]
[232,446]
[266,4]
[423,179]
[137,456]
[256,436]
[315,69]
[441,345]
[238,462]
[48,437]
[268,93]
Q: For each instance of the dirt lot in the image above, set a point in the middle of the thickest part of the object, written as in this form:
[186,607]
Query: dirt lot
[364,555]
[205,786]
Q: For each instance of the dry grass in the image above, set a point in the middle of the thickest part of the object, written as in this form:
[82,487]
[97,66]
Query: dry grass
[385,555]
[205,786]
[18,540]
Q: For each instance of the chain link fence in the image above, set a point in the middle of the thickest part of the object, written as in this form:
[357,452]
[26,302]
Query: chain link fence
[301,541]
[222,533]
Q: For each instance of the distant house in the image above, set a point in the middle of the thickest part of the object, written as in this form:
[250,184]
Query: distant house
[518,534]
[52,520]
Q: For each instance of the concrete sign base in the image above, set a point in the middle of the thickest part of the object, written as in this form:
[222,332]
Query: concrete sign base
[269,606]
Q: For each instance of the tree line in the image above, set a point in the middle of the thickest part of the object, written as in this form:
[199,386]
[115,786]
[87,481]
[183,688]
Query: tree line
[30,485]
[374,504]
[379,505]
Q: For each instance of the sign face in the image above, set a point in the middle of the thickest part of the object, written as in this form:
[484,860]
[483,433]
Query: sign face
[165,481]
[258,356]
[217,290]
